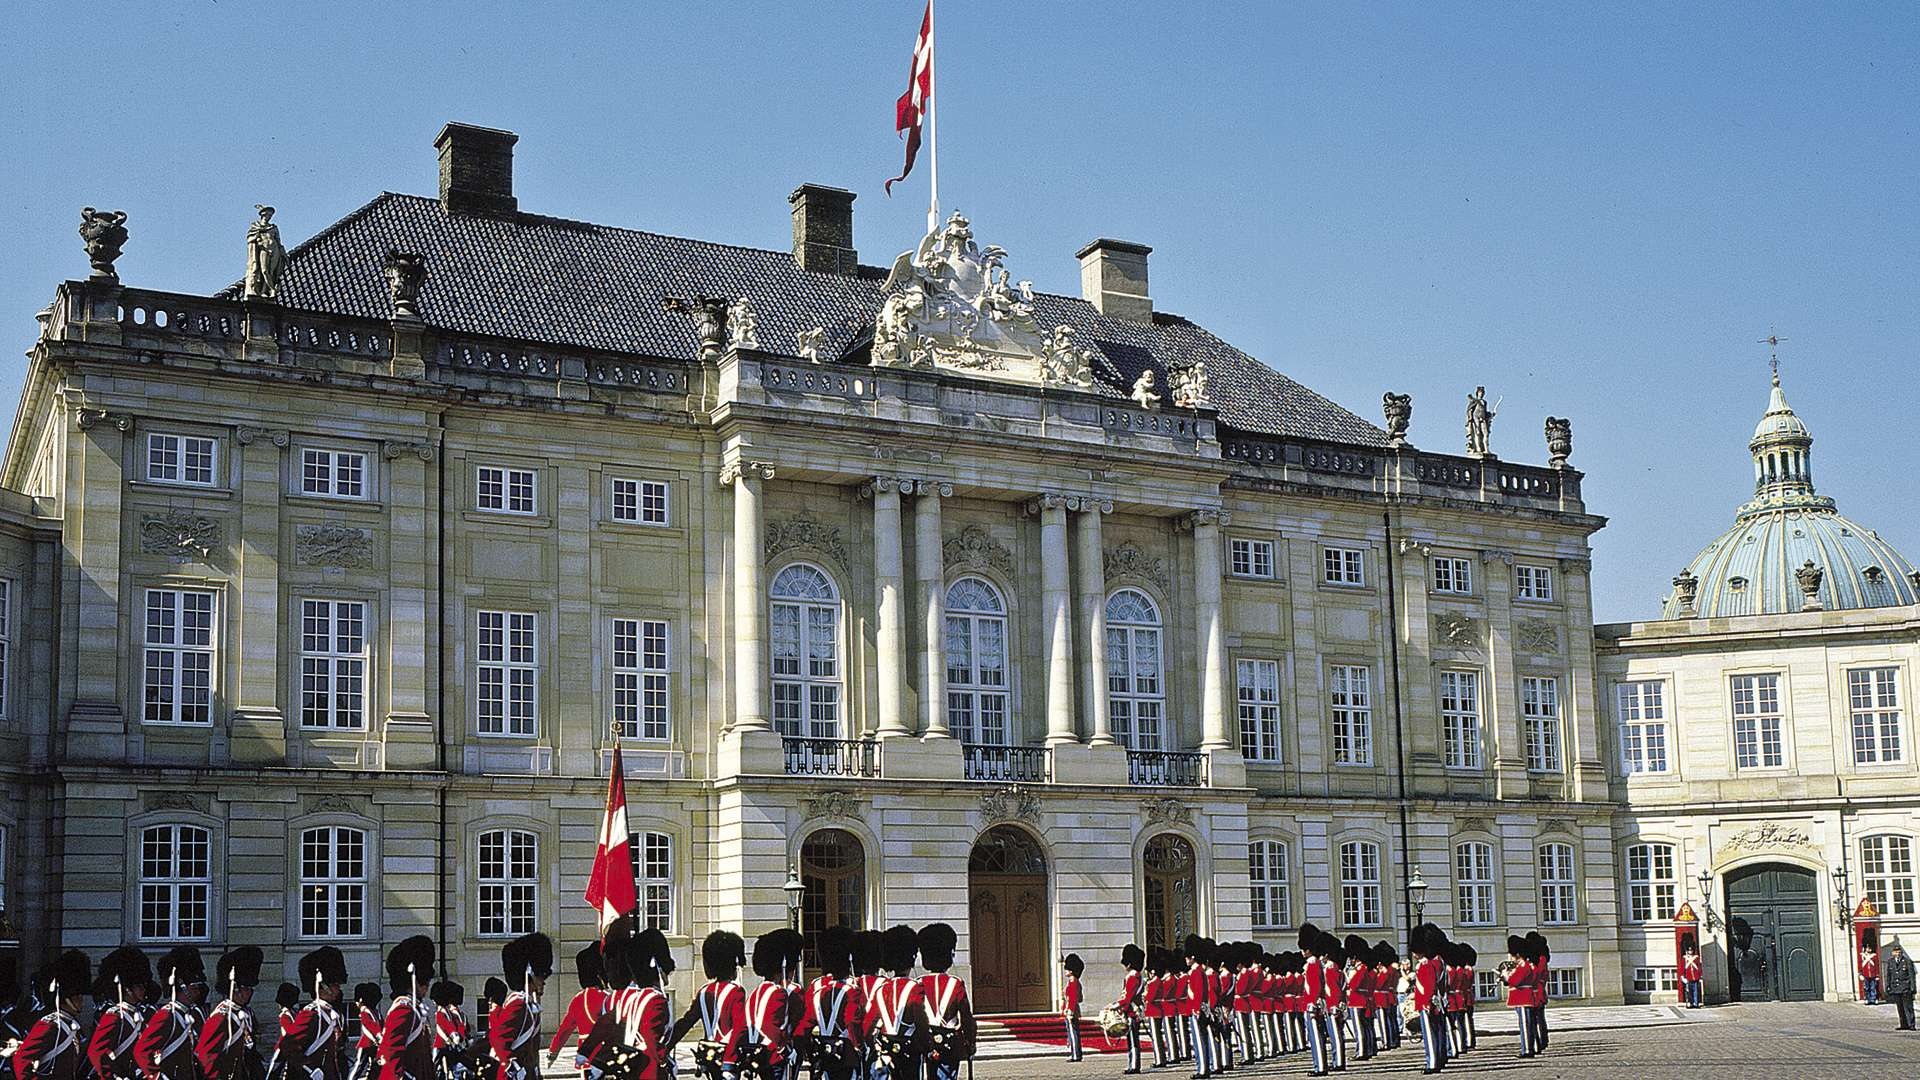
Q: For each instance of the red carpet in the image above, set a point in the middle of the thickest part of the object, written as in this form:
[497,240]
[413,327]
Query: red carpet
[1047,1029]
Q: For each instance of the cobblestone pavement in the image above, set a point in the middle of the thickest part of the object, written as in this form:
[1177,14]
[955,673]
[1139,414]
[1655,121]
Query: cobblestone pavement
[1785,1041]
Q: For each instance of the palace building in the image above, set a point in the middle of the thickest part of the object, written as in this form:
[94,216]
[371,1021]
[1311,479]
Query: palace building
[327,596]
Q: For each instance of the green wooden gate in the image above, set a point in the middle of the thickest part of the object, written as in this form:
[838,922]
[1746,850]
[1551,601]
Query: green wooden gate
[1773,918]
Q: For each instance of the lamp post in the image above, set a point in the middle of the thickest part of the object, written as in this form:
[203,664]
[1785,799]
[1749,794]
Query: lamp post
[1842,909]
[1417,891]
[1709,918]
[794,890]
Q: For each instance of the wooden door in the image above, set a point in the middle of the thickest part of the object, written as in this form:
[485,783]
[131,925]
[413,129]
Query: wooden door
[1009,924]
[1773,917]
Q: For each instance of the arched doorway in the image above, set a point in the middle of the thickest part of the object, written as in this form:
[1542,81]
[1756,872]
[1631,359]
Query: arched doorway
[1773,930]
[833,869]
[1007,907]
[1173,907]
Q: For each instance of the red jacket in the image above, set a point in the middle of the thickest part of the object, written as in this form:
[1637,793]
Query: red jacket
[723,1016]
[1690,968]
[1335,984]
[315,1039]
[767,1020]
[110,1050]
[369,1030]
[406,1041]
[1429,981]
[1360,987]
[1520,985]
[225,1037]
[52,1048]
[897,1003]
[639,1017]
[513,1033]
[833,1007]
[1129,1002]
[949,1008]
[166,1044]
[1383,987]
[585,1008]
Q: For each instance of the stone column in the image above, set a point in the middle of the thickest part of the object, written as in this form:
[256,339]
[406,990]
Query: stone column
[749,594]
[412,497]
[1205,525]
[1055,611]
[889,575]
[1090,558]
[930,574]
[258,731]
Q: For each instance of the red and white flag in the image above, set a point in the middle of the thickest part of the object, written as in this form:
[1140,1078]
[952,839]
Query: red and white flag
[610,888]
[910,112]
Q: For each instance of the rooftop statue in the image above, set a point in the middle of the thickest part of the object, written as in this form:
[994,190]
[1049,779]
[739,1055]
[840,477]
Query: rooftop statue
[1559,441]
[1480,422]
[743,326]
[808,343]
[266,258]
[1188,385]
[1399,412]
[104,232]
[1143,392]
[406,272]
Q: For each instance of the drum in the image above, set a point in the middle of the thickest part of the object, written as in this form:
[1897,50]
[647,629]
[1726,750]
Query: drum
[1112,1021]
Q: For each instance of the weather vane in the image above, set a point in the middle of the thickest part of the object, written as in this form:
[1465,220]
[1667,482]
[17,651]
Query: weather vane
[1772,342]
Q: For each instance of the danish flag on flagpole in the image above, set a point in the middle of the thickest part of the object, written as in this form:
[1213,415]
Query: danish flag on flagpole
[610,888]
[915,108]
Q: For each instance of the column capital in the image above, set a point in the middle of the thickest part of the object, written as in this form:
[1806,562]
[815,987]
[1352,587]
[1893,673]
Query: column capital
[1571,565]
[90,418]
[1494,555]
[1093,504]
[737,471]
[882,484]
[1206,516]
[932,489]
[396,448]
[246,434]
[1041,503]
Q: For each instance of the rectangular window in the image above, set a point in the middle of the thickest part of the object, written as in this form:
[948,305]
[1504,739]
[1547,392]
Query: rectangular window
[1648,980]
[1488,987]
[181,459]
[1452,575]
[1756,722]
[641,665]
[1643,727]
[1473,884]
[1460,718]
[333,882]
[1557,895]
[1251,558]
[1267,873]
[507,673]
[1350,694]
[1651,882]
[333,474]
[653,878]
[1259,694]
[178,658]
[509,882]
[503,490]
[1343,566]
[1540,709]
[6,656]
[1563,982]
[1532,582]
[639,502]
[1886,866]
[333,664]
[1873,698]
[1360,884]
[176,881]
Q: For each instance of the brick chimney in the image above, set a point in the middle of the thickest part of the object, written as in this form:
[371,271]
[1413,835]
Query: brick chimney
[823,229]
[1113,277]
[476,169]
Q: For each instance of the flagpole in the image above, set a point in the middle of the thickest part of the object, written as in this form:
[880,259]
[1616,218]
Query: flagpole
[933,126]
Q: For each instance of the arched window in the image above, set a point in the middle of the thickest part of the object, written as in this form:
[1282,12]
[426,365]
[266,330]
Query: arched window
[1170,879]
[1886,865]
[833,876]
[806,653]
[1651,882]
[1473,884]
[976,662]
[652,854]
[509,882]
[1557,903]
[333,882]
[1269,879]
[1360,884]
[1136,691]
[176,882]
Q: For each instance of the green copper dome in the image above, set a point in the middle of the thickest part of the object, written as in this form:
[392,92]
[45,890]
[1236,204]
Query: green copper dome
[1789,548]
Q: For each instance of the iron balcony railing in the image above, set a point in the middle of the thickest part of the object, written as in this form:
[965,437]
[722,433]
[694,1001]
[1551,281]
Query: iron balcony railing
[1010,764]
[831,757]
[1166,768]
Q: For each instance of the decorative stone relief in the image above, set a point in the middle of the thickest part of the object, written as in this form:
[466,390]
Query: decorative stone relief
[1011,803]
[832,804]
[949,303]
[1067,364]
[1766,836]
[191,802]
[1496,555]
[806,531]
[743,326]
[1456,630]
[1566,826]
[392,449]
[179,534]
[974,546]
[1475,824]
[1572,565]
[104,233]
[334,544]
[1536,636]
[1188,385]
[333,803]
[246,435]
[1399,413]
[808,343]
[1167,810]
[1128,560]
[1417,547]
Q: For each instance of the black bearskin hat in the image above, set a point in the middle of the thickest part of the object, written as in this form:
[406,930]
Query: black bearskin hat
[868,951]
[368,994]
[239,967]
[182,966]
[1131,957]
[447,992]
[324,964]
[1469,956]
[1356,945]
[937,941]
[494,990]
[1538,943]
[1309,939]
[524,955]
[73,973]
[722,954]
[793,948]
[1517,946]
[835,947]
[287,997]
[1074,965]
[614,950]
[899,947]
[121,971]
[589,967]
[768,955]
[410,964]
[1194,948]
[649,959]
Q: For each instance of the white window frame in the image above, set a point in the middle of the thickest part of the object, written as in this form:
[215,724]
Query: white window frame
[180,653]
[653,879]
[507,882]
[1461,725]
[333,882]
[1251,558]
[1646,738]
[1136,688]
[1653,980]
[506,686]
[1886,871]
[1653,881]
[181,884]
[1540,713]
[328,473]
[1532,581]
[1759,721]
[1343,566]
[1452,575]
[1270,883]
[1564,983]
[1488,986]
[1350,701]
[506,489]
[334,667]
[632,500]
[979,662]
[1473,884]
[642,663]
[1873,707]
[169,457]
[1360,885]
[1559,883]
[810,680]
[1257,694]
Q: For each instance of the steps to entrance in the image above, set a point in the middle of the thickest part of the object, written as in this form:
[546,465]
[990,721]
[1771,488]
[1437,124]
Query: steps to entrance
[1009,1033]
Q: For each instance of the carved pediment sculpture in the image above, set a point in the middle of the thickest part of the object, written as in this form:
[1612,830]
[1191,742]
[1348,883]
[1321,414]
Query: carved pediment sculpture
[1536,636]
[179,534]
[1456,630]
[1188,385]
[743,326]
[334,544]
[1012,803]
[1768,835]
[974,546]
[1167,810]
[832,804]
[1128,560]
[805,531]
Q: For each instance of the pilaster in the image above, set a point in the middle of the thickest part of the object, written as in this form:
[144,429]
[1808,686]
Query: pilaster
[409,735]
[930,579]
[1505,747]
[749,593]
[96,726]
[1580,706]
[258,731]
[889,575]
[1091,573]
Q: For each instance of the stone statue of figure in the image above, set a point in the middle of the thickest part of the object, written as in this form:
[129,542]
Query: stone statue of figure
[1399,413]
[743,326]
[1479,423]
[406,272]
[808,342]
[266,259]
[1143,392]
[1189,385]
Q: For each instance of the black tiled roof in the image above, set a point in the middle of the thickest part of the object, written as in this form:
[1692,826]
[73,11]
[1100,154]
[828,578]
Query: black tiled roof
[571,283]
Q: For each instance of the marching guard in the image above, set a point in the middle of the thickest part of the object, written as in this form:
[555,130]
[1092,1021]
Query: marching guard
[1130,1003]
[366,1042]
[513,1028]
[833,1013]
[720,1008]
[120,998]
[288,998]
[897,1013]
[951,1032]
[639,1013]
[165,1048]
[1427,944]
[769,1053]
[450,1031]
[586,1008]
[225,1047]
[405,1049]
[315,1044]
[53,1049]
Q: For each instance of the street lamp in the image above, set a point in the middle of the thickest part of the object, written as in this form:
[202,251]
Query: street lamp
[1842,909]
[794,890]
[1711,919]
[1417,891]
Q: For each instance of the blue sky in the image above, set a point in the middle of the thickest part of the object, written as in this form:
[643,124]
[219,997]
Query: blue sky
[1594,210]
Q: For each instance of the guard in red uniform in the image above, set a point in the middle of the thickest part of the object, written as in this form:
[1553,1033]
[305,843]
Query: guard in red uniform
[897,1012]
[314,1047]
[833,1012]
[225,1046]
[720,1008]
[1691,975]
[1518,975]
[1132,1000]
[53,1049]
[639,1013]
[1429,945]
[769,1053]
[287,997]
[585,1008]
[513,1029]
[119,997]
[1538,956]
[951,1034]
[868,951]
[450,1031]
[366,1040]
[405,1049]
[164,1050]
